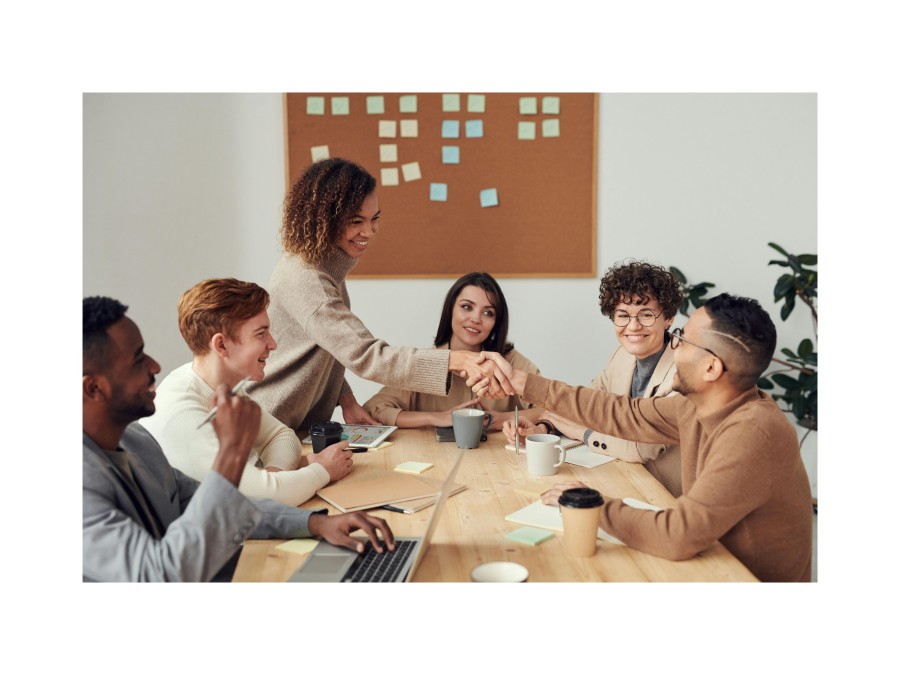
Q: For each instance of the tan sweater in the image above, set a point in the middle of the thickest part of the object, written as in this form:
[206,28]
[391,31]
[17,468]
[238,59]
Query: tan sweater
[744,482]
[318,336]
[391,401]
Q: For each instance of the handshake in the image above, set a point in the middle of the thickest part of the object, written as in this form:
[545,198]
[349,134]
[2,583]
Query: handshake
[488,374]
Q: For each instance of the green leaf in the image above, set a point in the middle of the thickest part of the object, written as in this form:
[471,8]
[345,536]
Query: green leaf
[783,286]
[786,382]
[778,248]
[763,383]
[678,275]
[805,348]
[788,352]
[808,259]
[787,307]
[778,262]
[799,407]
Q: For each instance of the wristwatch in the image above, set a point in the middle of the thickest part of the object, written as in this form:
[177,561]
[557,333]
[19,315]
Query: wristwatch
[550,428]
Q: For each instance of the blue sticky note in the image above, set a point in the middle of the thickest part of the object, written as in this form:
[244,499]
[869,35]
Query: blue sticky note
[450,154]
[528,105]
[489,197]
[474,129]
[450,129]
[315,105]
[375,105]
[438,192]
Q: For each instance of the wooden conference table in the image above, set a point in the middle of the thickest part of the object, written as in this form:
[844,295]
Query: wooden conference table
[472,527]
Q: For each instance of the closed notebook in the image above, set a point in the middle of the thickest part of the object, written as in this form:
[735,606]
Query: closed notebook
[394,488]
[414,505]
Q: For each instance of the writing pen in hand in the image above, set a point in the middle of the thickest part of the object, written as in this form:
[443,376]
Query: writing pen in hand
[235,390]
[517,429]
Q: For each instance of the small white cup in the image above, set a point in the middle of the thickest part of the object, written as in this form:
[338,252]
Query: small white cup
[543,451]
[499,571]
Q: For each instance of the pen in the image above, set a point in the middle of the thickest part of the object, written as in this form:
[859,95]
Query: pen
[517,429]
[395,509]
[212,413]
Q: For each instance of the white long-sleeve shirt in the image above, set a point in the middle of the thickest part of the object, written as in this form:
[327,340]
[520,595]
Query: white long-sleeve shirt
[182,402]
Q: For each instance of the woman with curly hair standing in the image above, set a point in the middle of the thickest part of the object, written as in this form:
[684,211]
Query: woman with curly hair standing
[331,216]
[641,300]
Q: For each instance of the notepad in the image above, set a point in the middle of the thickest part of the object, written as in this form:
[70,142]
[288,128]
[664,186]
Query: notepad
[393,488]
[413,467]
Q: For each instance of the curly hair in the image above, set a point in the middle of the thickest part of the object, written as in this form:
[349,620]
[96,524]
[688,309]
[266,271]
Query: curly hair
[496,341]
[319,205]
[98,314]
[627,280]
[217,306]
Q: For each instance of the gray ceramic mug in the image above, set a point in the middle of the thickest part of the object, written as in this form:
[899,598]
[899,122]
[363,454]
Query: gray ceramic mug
[468,425]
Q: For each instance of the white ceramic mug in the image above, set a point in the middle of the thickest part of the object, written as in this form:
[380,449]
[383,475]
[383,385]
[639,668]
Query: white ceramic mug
[543,451]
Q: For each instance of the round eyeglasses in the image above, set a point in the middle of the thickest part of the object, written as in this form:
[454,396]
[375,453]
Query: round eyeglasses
[646,317]
[677,337]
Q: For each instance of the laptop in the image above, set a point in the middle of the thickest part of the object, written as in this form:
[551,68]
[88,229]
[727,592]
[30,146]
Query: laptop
[329,563]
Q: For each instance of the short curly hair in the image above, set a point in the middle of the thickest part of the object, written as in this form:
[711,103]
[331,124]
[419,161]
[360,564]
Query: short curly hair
[98,314]
[319,205]
[638,279]
[217,306]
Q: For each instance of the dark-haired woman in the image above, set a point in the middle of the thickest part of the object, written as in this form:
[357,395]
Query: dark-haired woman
[331,217]
[474,318]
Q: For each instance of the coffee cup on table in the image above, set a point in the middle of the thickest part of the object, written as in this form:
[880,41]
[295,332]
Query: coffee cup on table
[468,426]
[580,509]
[544,454]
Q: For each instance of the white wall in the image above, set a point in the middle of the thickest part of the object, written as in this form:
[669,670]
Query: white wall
[178,188]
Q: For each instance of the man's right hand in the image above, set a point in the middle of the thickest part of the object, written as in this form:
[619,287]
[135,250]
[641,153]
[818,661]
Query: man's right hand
[236,425]
[337,459]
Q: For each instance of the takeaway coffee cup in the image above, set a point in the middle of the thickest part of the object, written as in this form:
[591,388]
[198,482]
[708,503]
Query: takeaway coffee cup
[468,425]
[580,509]
[545,454]
[324,434]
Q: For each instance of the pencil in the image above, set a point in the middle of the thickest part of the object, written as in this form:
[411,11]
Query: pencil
[517,429]
[212,413]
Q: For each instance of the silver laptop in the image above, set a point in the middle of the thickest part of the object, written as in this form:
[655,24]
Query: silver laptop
[334,563]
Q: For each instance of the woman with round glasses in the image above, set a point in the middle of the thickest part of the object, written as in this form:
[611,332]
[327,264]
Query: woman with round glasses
[641,300]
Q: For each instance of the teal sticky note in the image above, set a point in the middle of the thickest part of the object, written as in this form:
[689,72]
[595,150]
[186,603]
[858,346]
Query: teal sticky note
[530,536]
[438,192]
[375,105]
[528,105]
[489,197]
[527,131]
[450,129]
[474,129]
[340,105]
[409,103]
[315,105]
[550,128]
[450,103]
[450,154]
[550,105]
[475,103]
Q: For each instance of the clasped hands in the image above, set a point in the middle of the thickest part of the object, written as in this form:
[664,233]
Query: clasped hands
[488,374]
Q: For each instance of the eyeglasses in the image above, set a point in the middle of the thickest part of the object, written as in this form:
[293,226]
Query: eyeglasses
[645,317]
[677,336]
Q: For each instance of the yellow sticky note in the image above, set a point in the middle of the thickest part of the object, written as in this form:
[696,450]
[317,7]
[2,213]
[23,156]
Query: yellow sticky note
[319,152]
[413,467]
[450,103]
[381,446]
[390,177]
[301,546]
[411,171]
[409,128]
[388,152]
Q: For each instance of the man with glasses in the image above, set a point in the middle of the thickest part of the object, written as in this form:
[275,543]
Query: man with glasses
[744,482]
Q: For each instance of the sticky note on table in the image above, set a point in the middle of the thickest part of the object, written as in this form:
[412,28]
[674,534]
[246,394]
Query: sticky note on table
[530,536]
[413,467]
[475,103]
[532,489]
[390,177]
[450,129]
[550,105]
[300,546]
[409,103]
[527,131]
[489,197]
[319,152]
[474,128]
[411,171]
[375,105]
[550,128]
[315,105]
[438,192]
[387,128]
[528,105]
[450,154]
[450,103]
[409,128]
[387,152]
[340,105]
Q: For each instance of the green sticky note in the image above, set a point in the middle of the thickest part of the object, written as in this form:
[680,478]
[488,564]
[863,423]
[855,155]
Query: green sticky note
[450,103]
[375,105]
[409,104]
[475,103]
[340,105]
[527,131]
[528,105]
[550,128]
[530,536]
[550,105]
[315,105]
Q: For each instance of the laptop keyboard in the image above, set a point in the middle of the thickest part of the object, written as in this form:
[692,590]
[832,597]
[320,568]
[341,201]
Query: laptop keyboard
[372,566]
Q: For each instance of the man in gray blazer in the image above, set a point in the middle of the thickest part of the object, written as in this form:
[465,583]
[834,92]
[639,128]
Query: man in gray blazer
[146,521]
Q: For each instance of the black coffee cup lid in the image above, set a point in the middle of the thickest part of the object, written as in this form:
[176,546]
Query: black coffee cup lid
[580,498]
[326,427]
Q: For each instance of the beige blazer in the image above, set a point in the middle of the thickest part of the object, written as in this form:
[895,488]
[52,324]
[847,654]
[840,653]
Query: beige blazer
[663,461]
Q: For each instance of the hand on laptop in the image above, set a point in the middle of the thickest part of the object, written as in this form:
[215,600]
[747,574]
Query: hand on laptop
[336,530]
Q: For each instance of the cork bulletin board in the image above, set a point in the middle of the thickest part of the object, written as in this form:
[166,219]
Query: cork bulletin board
[502,183]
